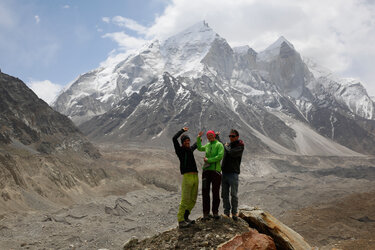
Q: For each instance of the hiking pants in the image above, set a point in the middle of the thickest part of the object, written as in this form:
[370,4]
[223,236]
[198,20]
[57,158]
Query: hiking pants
[189,194]
[208,177]
[230,182]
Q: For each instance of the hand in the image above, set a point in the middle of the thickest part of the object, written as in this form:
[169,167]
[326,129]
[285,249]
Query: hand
[227,144]
[185,129]
[217,133]
[200,134]
[205,159]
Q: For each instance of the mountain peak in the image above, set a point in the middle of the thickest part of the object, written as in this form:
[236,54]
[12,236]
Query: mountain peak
[184,51]
[279,42]
[199,26]
[197,31]
[273,50]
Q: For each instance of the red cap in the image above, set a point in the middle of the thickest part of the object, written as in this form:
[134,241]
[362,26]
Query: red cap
[211,132]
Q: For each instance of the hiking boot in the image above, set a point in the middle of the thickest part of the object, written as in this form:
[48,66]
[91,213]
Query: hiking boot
[186,217]
[183,224]
[206,217]
[190,221]
[216,216]
[234,217]
[227,215]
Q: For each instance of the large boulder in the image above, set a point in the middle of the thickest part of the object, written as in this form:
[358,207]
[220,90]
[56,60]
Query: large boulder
[283,236]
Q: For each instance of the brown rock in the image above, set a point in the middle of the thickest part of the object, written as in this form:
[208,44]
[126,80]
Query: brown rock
[283,236]
[251,240]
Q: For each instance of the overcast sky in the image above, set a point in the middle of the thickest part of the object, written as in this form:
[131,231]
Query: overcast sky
[49,43]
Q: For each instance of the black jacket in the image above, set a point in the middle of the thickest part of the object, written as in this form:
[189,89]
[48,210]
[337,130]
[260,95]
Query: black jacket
[232,157]
[186,156]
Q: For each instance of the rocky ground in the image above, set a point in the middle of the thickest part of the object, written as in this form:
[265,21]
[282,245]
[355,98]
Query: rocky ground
[329,201]
[91,224]
[203,234]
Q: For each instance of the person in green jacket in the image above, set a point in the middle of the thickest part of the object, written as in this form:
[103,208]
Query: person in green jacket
[211,173]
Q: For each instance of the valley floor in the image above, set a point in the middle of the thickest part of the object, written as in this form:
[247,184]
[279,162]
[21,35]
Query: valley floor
[329,201]
[346,223]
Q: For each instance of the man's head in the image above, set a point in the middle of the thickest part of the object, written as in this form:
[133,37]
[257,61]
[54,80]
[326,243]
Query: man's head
[185,141]
[210,135]
[233,135]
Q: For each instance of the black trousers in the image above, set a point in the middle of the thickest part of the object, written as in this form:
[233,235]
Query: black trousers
[211,177]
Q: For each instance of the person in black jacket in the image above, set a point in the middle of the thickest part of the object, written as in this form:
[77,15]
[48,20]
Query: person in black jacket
[230,168]
[188,168]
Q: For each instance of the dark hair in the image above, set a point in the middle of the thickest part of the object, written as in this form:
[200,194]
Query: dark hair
[233,131]
[184,138]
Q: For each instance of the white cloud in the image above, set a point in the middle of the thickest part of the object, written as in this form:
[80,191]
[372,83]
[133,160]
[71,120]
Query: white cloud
[66,6]
[126,23]
[45,90]
[129,24]
[106,19]
[37,19]
[114,58]
[125,41]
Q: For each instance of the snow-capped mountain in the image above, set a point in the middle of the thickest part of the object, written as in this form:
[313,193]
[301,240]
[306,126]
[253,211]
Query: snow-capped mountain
[97,91]
[277,100]
[348,92]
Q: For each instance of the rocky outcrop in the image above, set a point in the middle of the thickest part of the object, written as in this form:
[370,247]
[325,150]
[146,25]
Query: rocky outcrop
[264,222]
[256,229]
[203,234]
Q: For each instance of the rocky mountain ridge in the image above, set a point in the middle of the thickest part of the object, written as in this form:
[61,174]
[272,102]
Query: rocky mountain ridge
[28,122]
[43,155]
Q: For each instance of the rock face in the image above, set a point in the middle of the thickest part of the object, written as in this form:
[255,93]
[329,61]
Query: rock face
[285,67]
[249,240]
[196,79]
[27,121]
[284,237]
[42,153]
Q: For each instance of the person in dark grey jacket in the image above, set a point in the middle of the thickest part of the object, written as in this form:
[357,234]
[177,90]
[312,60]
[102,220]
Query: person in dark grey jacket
[230,168]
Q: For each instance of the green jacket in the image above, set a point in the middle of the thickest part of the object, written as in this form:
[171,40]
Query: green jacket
[214,153]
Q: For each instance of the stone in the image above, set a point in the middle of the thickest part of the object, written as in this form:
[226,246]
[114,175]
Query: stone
[283,236]
[205,243]
[249,240]
[130,243]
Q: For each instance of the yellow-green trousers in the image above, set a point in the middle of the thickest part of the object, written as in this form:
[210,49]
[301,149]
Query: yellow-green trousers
[189,194]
